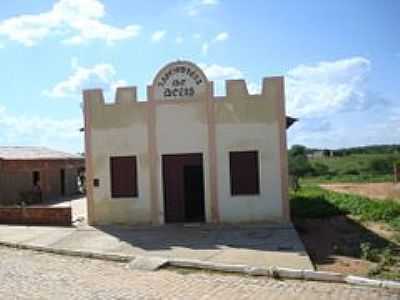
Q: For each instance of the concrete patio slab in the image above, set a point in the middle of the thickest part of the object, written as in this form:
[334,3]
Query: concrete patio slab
[252,245]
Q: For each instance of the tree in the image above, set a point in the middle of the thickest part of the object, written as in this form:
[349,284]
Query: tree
[381,166]
[299,165]
[298,150]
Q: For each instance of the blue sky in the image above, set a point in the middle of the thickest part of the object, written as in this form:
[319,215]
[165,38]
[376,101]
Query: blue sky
[340,59]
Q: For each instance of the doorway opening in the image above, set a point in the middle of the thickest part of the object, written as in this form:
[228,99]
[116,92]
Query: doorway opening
[62,182]
[183,182]
[35,177]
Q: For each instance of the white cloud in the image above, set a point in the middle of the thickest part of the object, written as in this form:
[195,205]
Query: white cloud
[335,107]
[254,88]
[314,90]
[179,40]
[100,75]
[326,87]
[197,36]
[209,2]
[346,130]
[222,36]
[218,72]
[78,20]
[158,35]
[196,6]
[17,129]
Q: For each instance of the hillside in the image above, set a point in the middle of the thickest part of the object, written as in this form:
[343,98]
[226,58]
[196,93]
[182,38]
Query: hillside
[369,163]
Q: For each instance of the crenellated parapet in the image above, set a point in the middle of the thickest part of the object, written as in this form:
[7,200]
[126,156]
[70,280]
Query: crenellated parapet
[126,95]
[184,83]
[240,106]
[236,89]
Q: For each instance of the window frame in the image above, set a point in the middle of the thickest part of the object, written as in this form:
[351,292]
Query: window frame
[235,191]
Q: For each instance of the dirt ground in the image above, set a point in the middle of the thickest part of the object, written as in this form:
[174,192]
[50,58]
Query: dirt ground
[334,243]
[383,190]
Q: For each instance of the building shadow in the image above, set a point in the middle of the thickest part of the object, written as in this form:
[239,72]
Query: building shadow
[327,232]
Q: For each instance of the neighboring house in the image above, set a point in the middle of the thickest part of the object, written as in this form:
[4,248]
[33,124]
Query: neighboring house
[185,155]
[37,172]
[320,154]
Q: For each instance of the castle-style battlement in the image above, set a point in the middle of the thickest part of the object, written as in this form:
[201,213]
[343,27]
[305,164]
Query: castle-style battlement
[236,89]
[125,95]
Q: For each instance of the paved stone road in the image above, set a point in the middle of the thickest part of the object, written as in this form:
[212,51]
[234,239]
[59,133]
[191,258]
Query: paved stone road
[31,275]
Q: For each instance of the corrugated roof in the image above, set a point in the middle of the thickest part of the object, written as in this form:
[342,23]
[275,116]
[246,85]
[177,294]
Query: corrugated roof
[34,153]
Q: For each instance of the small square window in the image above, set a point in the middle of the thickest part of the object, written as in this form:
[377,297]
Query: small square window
[244,172]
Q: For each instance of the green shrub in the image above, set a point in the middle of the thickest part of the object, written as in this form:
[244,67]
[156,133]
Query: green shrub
[395,223]
[381,165]
[314,202]
[351,171]
[368,253]
[387,257]
[299,165]
[362,167]
[320,169]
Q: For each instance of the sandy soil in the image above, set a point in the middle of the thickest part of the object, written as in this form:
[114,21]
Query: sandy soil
[383,190]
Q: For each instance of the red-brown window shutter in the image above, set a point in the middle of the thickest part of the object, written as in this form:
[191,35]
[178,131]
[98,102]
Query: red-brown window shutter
[123,176]
[244,172]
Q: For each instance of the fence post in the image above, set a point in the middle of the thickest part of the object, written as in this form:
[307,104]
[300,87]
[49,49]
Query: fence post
[396,171]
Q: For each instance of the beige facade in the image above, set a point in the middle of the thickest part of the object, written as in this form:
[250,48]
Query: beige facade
[181,117]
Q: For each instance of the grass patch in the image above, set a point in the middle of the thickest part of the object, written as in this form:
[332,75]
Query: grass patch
[363,178]
[315,202]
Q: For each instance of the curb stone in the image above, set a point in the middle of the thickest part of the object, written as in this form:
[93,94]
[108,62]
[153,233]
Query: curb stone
[147,263]
[199,264]
[273,272]
[286,273]
[258,271]
[323,276]
[356,280]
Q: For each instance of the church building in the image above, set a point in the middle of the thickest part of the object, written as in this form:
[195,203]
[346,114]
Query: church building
[186,155]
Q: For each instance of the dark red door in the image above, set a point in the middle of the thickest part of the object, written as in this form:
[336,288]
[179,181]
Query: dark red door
[183,187]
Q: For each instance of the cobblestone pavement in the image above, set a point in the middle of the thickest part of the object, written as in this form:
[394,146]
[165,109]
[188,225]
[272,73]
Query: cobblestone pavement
[27,274]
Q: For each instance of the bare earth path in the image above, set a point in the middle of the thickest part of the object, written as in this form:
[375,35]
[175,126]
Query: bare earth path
[381,190]
[31,275]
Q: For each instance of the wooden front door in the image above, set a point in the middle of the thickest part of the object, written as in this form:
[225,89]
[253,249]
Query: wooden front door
[183,187]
